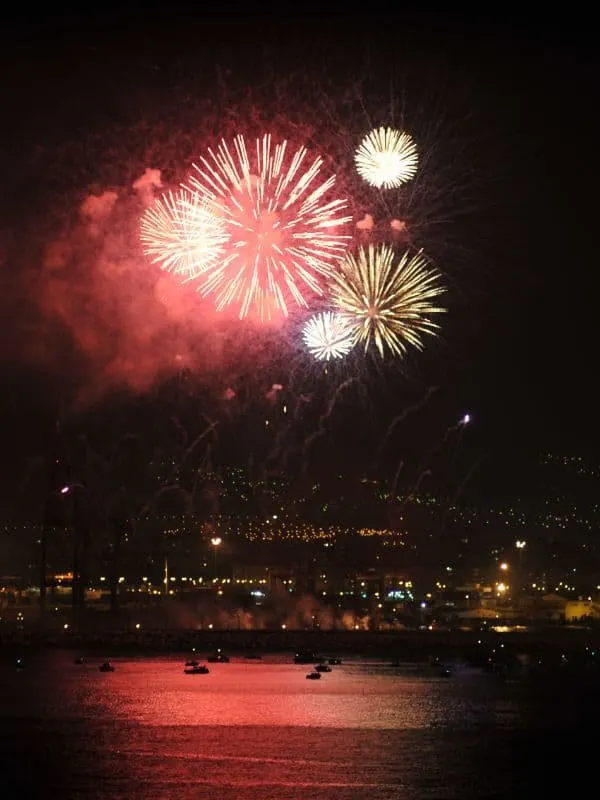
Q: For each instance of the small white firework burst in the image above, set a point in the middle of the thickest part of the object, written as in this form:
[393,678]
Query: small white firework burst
[327,335]
[386,158]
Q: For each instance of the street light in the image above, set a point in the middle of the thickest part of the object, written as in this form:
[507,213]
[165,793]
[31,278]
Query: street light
[52,516]
[216,542]
[80,527]
[520,544]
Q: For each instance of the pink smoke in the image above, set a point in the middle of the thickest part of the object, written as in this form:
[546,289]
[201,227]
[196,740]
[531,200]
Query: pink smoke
[131,324]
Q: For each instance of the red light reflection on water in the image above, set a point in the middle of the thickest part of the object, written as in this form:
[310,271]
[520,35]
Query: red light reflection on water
[252,729]
[157,692]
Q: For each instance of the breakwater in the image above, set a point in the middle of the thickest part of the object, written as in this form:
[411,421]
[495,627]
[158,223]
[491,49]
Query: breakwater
[404,645]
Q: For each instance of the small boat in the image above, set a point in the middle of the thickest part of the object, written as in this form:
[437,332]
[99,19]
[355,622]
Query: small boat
[313,676]
[106,667]
[435,661]
[197,669]
[446,672]
[305,657]
[80,660]
[191,663]
[218,658]
[334,661]
[20,664]
[323,668]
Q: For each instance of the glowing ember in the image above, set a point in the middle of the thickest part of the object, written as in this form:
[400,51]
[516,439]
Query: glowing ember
[286,233]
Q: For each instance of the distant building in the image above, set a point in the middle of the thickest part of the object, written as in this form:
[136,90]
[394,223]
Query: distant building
[576,610]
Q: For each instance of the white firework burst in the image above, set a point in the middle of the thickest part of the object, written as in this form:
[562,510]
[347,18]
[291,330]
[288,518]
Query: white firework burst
[328,335]
[386,158]
[180,232]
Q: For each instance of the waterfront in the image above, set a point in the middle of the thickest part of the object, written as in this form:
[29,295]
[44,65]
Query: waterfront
[258,728]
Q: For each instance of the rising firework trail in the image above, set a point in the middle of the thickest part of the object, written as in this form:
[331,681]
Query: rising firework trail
[287,230]
[431,390]
[387,301]
[386,158]
[180,233]
[326,417]
[327,336]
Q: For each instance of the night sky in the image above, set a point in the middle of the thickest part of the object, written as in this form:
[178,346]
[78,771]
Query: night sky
[519,349]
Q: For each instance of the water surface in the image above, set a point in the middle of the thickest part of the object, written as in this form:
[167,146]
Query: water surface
[259,729]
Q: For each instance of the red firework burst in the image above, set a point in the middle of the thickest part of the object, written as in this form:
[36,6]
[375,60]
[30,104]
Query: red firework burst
[286,231]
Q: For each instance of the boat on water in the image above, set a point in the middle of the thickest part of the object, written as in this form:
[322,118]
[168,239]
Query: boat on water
[198,669]
[80,660]
[218,658]
[306,657]
[334,661]
[313,676]
[106,667]
[323,668]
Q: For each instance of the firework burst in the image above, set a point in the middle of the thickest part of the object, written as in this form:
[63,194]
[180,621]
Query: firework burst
[386,301]
[386,158]
[286,232]
[328,335]
[180,233]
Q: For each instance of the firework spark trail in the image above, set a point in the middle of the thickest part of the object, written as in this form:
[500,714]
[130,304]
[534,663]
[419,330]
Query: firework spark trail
[431,390]
[180,233]
[328,335]
[286,233]
[452,500]
[460,426]
[424,471]
[278,450]
[171,484]
[387,302]
[394,486]
[322,429]
[386,158]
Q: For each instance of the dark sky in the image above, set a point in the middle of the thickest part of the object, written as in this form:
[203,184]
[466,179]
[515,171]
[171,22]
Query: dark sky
[521,342]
